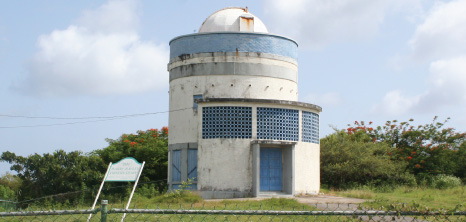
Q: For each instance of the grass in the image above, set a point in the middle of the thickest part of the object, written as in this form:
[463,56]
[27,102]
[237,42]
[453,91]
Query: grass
[192,201]
[188,201]
[414,199]
[409,198]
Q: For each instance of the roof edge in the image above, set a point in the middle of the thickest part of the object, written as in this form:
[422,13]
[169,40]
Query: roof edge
[269,101]
[240,33]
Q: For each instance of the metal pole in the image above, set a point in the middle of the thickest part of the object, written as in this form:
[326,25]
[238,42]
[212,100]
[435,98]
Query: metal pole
[132,192]
[103,211]
[98,193]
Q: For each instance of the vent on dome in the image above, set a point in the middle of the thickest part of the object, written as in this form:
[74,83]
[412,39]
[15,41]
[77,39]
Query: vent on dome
[246,23]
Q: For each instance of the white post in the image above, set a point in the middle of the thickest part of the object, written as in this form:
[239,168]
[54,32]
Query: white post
[132,192]
[98,193]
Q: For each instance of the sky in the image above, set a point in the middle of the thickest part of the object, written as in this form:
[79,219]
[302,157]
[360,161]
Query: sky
[369,60]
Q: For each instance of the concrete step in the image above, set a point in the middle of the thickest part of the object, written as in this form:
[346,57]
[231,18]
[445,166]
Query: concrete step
[274,195]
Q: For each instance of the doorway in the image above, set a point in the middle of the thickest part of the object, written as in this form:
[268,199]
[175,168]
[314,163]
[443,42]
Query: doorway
[271,169]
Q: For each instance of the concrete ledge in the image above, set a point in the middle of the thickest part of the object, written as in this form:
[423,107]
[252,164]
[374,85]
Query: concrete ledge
[273,142]
[206,56]
[179,146]
[229,33]
[266,101]
[232,68]
[223,194]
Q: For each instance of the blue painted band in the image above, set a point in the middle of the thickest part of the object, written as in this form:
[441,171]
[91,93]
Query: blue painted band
[233,42]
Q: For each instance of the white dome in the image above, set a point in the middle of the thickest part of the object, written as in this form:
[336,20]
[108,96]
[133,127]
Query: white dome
[233,19]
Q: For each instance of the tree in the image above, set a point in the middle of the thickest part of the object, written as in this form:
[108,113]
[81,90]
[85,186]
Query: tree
[55,173]
[428,149]
[9,186]
[150,146]
[61,172]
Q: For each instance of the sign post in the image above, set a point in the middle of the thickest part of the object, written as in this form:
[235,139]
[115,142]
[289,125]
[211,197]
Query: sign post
[132,192]
[125,170]
[98,193]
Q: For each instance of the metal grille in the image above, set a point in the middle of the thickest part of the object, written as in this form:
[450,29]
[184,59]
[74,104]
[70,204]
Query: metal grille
[277,124]
[310,126]
[226,122]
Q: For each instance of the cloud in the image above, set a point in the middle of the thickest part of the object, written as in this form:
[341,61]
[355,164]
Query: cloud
[446,88]
[439,40]
[100,54]
[316,23]
[331,99]
[442,34]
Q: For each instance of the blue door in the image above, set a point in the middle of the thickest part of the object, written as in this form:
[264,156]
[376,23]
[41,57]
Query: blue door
[271,169]
[192,164]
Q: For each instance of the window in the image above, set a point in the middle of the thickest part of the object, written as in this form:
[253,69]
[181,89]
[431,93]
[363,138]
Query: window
[310,126]
[226,122]
[277,124]
[183,167]
[194,101]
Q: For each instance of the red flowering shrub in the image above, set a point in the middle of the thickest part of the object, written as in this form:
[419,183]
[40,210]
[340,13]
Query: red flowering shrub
[150,146]
[429,149]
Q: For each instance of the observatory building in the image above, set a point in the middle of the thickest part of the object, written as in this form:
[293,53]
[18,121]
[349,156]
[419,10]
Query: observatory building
[236,126]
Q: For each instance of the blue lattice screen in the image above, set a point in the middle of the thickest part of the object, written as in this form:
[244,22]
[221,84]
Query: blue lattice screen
[277,124]
[310,127]
[226,122]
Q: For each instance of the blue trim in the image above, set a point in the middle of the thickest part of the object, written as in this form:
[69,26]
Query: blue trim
[233,42]
[176,165]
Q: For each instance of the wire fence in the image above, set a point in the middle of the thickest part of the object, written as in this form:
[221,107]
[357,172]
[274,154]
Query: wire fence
[81,197]
[318,212]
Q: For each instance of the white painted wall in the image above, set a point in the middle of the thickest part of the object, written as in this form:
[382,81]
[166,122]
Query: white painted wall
[307,168]
[224,165]
[183,124]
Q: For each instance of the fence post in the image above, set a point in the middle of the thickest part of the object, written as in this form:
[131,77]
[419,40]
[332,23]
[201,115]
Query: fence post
[103,211]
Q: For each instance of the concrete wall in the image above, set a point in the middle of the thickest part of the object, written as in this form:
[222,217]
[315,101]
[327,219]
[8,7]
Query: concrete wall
[227,65]
[224,168]
[307,168]
[234,63]
[185,123]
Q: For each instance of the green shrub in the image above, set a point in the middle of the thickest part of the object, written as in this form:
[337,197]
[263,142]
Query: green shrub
[182,195]
[350,161]
[7,193]
[148,190]
[446,181]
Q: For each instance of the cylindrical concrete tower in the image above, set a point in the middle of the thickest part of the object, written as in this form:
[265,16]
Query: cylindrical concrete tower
[236,127]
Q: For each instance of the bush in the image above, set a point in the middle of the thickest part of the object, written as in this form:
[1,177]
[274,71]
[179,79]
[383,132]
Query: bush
[445,181]
[7,193]
[349,161]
